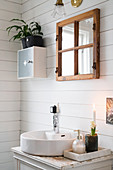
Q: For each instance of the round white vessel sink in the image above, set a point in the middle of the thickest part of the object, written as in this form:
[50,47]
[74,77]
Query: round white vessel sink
[46,143]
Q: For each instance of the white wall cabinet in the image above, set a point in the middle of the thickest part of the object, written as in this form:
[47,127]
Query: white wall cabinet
[31,63]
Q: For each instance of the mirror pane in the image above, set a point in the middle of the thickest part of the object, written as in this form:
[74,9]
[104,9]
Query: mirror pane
[85,61]
[86,31]
[68,63]
[68,36]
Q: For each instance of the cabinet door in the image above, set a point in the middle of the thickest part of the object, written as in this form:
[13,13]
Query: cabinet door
[25,63]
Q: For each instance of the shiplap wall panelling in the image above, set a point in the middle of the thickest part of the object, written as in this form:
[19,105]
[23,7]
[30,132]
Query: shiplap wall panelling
[23,1]
[11,106]
[74,110]
[7,166]
[30,126]
[15,1]
[7,15]
[12,116]
[75,97]
[33,86]
[10,7]
[9,56]
[47,19]
[9,85]
[9,136]
[39,9]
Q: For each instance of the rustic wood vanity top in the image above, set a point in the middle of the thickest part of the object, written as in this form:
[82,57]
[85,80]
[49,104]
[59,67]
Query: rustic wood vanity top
[61,163]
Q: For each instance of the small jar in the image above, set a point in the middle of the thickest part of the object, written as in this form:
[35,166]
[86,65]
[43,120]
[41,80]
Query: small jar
[78,145]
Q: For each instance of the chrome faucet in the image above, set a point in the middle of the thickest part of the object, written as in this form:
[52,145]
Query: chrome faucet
[55,109]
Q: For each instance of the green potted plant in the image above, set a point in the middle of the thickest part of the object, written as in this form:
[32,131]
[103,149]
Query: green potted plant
[30,35]
[91,140]
[22,31]
[35,39]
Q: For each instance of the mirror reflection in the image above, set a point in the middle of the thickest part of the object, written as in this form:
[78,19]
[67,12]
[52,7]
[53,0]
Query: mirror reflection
[68,63]
[85,61]
[86,31]
[68,36]
[78,47]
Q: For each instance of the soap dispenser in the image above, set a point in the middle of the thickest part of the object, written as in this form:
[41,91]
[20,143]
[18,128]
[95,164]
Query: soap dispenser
[78,145]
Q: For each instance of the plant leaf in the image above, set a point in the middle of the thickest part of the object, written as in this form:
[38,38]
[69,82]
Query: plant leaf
[20,20]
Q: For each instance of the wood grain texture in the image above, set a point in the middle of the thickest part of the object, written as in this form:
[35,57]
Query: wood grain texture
[76,48]
[95,14]
[76,42]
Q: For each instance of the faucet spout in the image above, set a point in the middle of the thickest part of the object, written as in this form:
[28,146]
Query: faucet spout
[55,109]
[56,123]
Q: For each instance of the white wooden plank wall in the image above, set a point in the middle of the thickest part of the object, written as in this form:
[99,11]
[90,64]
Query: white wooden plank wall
[9,86]
[75,97]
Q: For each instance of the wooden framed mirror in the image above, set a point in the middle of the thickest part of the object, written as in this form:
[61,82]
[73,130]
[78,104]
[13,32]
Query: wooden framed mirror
[78,47]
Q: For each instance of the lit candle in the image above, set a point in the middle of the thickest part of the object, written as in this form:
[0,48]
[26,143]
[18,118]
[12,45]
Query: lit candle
[57,107]
[94,113]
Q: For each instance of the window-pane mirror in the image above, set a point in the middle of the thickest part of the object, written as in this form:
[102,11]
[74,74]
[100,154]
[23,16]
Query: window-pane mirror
[68,63]
[68,36]
[86,31]
[78,47]
[85,61]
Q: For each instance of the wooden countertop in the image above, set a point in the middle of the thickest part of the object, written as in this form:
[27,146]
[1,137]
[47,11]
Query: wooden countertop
[58,162]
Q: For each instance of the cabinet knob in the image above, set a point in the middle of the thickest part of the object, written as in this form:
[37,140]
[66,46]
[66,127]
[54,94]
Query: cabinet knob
[30,61]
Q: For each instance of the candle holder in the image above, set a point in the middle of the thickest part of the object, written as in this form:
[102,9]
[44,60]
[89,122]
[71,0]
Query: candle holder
[91,140]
